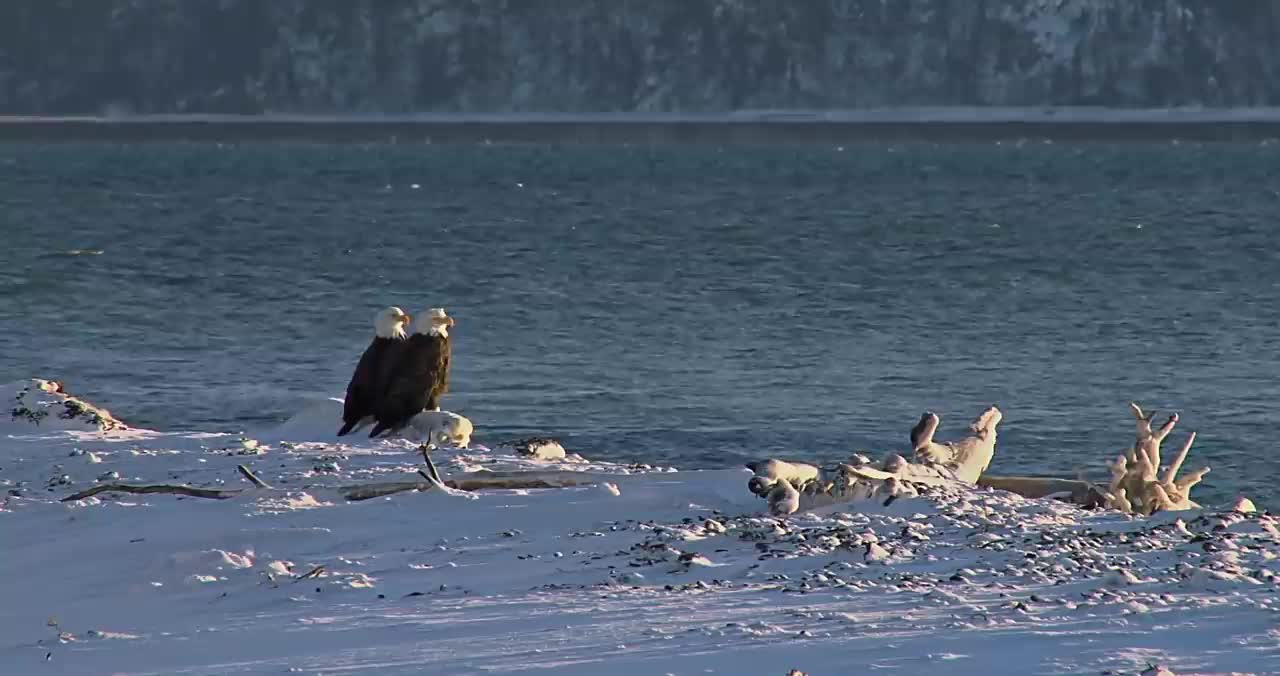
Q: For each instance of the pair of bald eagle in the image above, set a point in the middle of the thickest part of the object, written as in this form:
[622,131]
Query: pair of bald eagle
[399,375]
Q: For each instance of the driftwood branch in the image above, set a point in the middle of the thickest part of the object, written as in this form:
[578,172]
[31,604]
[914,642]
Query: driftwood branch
[172,489]
[189,491]
[314,572]
[253,478]
[432,472]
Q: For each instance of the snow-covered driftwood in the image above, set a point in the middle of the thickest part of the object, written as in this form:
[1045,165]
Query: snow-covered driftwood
[843,483]
[769,472]
[1077,491]
[44,404]
[792,486]
[1137,485]
[965,459]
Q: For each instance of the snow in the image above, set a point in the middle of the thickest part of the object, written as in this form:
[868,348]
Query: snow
[916,114]
[651,571]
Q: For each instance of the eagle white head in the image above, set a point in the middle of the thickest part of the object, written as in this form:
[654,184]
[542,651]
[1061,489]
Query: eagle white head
[391,322]
[437,323]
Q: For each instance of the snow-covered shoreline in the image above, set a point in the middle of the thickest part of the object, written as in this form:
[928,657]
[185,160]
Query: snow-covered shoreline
[920,114]
[650,571]
[750,127]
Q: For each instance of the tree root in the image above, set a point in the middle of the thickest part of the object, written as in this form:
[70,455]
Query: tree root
[1136,486]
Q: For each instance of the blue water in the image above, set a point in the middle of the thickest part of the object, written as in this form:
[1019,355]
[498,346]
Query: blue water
[687,306]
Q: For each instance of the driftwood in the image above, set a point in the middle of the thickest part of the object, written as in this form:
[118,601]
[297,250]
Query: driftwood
[174,489]
[965,459]
[475,481]
[314,572]
[253,478]
[1076,491]
[377,490]
[432,474]
[1137,485]
[789,487]
[471,481]
[786,489]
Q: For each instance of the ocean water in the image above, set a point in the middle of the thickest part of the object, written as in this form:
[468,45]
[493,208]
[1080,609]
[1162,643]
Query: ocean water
[688,306]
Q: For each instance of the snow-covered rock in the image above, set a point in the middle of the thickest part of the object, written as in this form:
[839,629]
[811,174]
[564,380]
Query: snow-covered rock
[443,428]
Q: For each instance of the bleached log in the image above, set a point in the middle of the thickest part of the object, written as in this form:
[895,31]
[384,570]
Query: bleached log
[1075,491]
[1034,486]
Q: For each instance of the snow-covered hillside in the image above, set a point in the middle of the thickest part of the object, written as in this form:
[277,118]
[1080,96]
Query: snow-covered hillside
[161,56]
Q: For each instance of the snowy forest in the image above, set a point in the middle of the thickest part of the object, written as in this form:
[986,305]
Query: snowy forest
[691,56]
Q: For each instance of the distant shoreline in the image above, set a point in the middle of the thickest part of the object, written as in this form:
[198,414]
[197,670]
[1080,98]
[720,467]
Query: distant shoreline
[743,128]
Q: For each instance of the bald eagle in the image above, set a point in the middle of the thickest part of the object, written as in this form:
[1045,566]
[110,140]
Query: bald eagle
[374,368]
[419,377]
